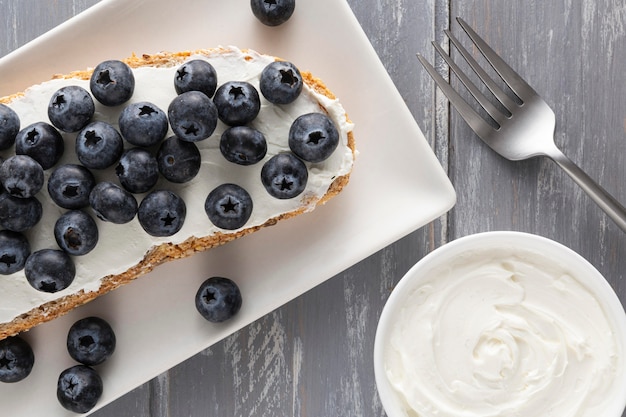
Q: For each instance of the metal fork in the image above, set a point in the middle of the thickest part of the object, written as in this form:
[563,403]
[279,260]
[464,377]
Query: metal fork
[524,128]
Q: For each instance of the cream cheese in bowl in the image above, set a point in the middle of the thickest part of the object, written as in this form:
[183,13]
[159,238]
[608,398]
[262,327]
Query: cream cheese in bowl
[502,324]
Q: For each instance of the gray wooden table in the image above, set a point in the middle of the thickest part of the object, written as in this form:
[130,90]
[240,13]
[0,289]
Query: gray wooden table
[313,356]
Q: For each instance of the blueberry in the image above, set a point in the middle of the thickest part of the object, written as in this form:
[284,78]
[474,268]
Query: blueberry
[113,204]
[9,126]
[162,213]
[313,137]
[76,232]
[19,214]
[42,142]
[281,82]
[237,102]
[196,75]
[143,124]
[218,299]
[192,116]
[21,176]
[79,388]
[49,270]
[179,161]
[112,83]
[71,108]
[69,186]
[16,359]
[228,206]
[14,250]
[138,170]
[284,176]
[243,145]
[99,145]
[91,341]
[273,12]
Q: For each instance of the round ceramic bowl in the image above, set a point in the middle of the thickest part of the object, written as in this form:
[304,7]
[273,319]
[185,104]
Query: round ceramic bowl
[500,324]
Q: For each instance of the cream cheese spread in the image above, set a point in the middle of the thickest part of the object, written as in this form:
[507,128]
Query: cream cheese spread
[123,246]
[499,334]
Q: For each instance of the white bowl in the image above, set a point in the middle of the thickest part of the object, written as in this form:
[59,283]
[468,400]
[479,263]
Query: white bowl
[531,327]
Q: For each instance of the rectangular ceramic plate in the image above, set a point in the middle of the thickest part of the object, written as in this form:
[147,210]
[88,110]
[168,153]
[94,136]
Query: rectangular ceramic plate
[397,185]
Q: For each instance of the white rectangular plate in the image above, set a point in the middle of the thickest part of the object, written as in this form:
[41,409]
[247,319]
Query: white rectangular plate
[397,185]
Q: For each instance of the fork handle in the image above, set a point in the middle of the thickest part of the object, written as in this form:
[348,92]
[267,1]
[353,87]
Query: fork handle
[610,205]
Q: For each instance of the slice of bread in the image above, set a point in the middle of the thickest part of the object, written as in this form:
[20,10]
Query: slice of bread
[124,251]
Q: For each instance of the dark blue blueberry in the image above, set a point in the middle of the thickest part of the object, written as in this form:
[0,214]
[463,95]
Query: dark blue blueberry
[19,214]
[21,176]
[281,82]
[162,213]
[9,126]
[16,359]
[237,102]
[112,83]
[69,186]
[113,204]
[138,170]
[196,75]
[284,176]
[79,388]
[76,232]
[42,142]
[273,12]
[313,137]
[243,145]
[143,124]
[91,341]
[71,108]
[192,116]
[218,299]
[14,250]
[179,161]
[99,145]
[228,206]
[49,270]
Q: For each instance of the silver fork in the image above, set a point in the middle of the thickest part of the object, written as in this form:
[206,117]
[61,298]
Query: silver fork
[525,129]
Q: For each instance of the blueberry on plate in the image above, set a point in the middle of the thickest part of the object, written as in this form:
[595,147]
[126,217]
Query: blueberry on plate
[91,341]
[99,145]
[143,124]
[70,108]
[79,388]
[192,116]
[69,186]
[16,359]
[162,213]
[196,75]
[179,161]
[112,83]
[21,176]
[76,232]
[313,137]
[281,82]
[9,126]
[237,102]
[284,176]
[112,203]
[14,250]
[42,142]
[137,170]
[228,206]
[273,12]
[49,270]
[19,214]
[218,299]
[243,145]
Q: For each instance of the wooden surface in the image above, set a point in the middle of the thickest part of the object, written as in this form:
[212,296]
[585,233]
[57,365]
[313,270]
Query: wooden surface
[313,357]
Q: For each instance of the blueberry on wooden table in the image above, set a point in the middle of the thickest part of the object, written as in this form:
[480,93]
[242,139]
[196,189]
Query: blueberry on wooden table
[69,186]
[70,108]
[143,124]
[162,213]
[218,299]
[192,116]
[21,176]
[91,341]
[243,145]
[179,161]
[49,270]
[238,102]
[16,359]
[112,83]
[273,12]
[196,75]
[9,126]
[79,388]
[42,142]
[284,176]
[281,82]
[99,145]
[14,250]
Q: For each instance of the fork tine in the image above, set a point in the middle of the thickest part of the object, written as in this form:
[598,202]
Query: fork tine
[509,76]
[473,119]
